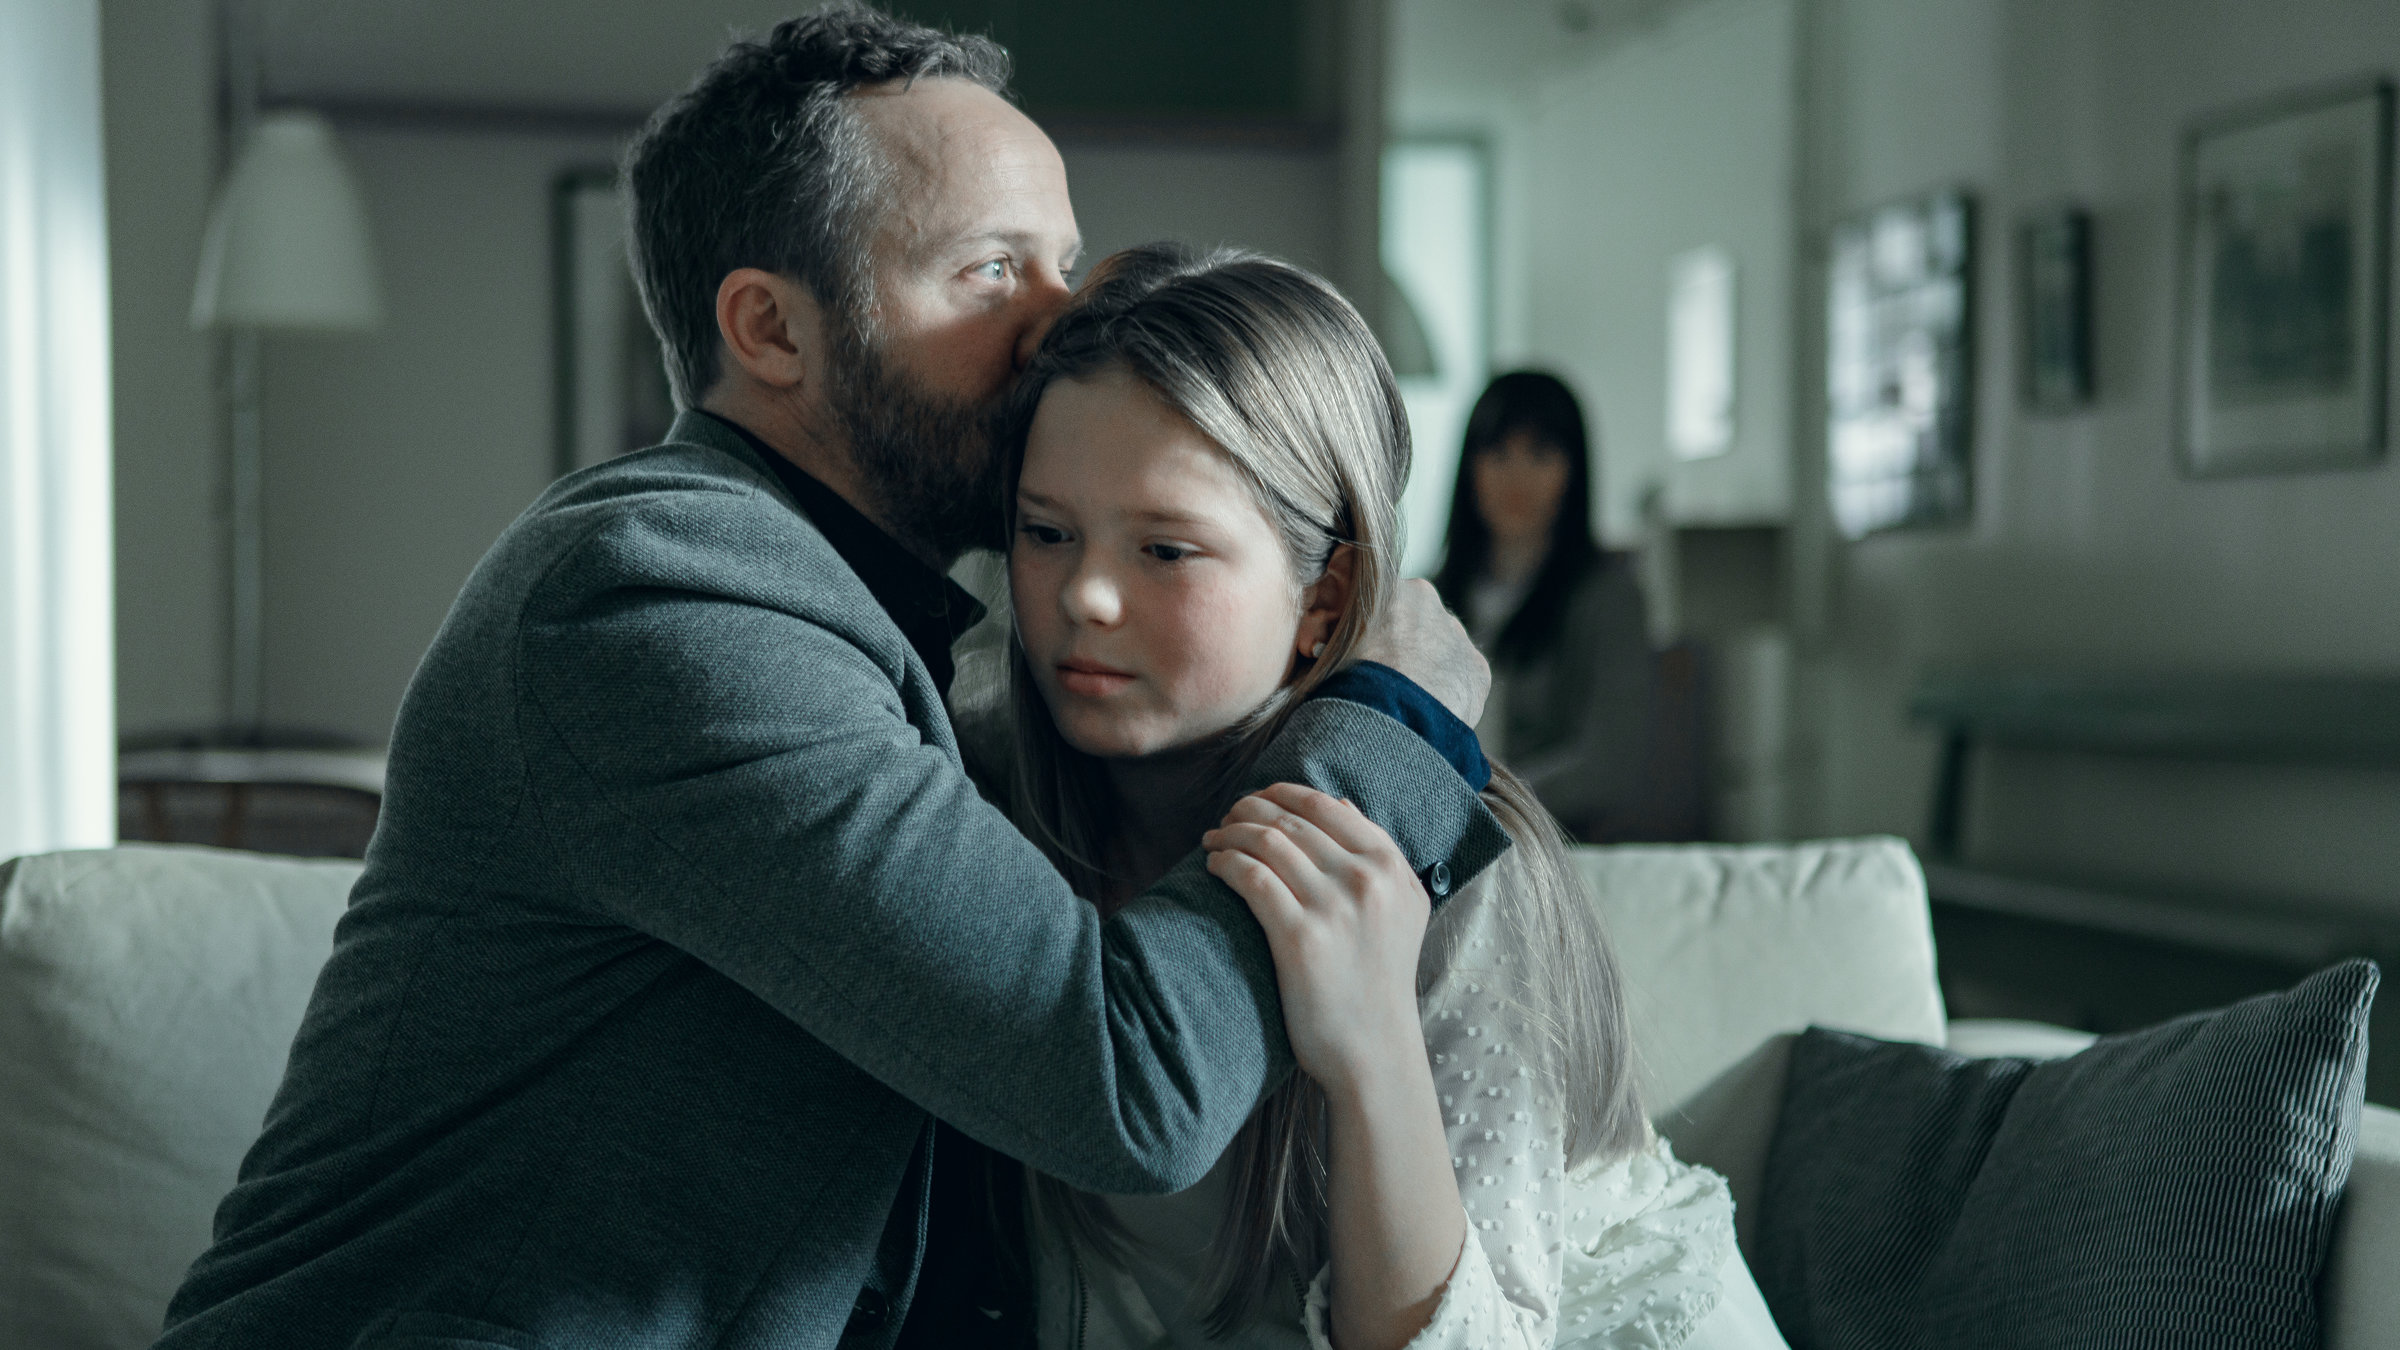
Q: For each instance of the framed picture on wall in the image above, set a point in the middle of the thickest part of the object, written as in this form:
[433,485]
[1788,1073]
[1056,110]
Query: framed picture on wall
[1900,370]
[2054,299]
[609,381]
[2283,284]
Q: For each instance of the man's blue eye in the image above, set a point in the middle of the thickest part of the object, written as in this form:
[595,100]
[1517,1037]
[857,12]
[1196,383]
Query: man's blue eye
[996,269]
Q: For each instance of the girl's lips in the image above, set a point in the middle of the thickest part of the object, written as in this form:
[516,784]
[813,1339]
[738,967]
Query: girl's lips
[1090,679]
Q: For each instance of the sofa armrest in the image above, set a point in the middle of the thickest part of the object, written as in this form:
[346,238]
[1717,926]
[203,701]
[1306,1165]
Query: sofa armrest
[2360,1297]
[1991,1037]
[148,998]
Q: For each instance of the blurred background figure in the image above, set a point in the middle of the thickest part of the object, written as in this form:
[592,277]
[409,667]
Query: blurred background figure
[1561,620]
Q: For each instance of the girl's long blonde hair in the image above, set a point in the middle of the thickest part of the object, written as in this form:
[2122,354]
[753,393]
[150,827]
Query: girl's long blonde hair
[1272,365]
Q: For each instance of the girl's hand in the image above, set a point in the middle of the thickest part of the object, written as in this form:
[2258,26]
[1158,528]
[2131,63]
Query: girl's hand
[1345,917]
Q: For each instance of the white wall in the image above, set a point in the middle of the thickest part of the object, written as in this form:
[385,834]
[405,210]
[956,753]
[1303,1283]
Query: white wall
[1677,139]
[1275,200]
[1770,120]
[1652,130]
[1616,151]
[2087,548]
[158,83]
[1899,99]
[394,459]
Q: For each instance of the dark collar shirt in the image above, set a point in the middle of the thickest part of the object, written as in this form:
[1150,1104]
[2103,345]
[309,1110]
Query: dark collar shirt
[931,610]
[968,1297]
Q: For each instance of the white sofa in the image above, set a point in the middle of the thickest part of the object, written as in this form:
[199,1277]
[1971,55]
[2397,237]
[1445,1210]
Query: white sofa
[147,996]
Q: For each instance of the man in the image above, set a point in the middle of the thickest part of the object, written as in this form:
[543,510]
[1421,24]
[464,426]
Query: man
[682,922]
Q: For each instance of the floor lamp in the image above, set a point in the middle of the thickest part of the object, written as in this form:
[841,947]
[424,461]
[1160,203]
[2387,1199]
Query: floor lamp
[287,250]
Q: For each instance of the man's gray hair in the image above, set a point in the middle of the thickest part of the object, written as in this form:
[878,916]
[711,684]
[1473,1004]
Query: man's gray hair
[764,163]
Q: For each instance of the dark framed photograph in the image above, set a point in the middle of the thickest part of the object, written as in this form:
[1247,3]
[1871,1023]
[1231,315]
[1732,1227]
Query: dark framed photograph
[1900,368]
[2054,304]
[609,391]
[2284,284]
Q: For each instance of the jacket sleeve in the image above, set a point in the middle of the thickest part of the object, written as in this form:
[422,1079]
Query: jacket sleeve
[741,781]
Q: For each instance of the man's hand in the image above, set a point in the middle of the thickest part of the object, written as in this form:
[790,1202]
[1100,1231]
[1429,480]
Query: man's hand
[1419,638]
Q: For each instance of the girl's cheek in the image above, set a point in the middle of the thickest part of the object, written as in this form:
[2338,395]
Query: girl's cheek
[1223,644]
[1034,594]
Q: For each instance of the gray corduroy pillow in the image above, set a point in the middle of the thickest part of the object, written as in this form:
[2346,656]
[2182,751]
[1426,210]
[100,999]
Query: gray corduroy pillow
[2170,1187]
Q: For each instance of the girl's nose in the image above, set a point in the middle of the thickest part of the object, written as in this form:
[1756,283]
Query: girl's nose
[1091,597]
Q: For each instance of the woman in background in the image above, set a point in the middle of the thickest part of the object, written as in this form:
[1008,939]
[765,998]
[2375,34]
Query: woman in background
[1561,621]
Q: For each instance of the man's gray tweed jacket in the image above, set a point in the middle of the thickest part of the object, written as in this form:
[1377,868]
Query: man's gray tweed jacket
[683,922]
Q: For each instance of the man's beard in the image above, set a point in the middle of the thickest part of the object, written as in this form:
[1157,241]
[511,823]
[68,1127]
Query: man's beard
[930,463]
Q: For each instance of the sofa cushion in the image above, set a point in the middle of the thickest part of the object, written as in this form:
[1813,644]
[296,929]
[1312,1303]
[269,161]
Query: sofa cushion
[2170,1187]
[148,997]
[1726,950]
[1724,947]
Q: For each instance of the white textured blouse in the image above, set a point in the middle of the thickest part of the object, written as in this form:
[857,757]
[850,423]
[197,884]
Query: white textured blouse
[1635,1251]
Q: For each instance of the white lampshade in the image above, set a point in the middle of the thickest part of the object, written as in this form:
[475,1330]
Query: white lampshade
[287,244]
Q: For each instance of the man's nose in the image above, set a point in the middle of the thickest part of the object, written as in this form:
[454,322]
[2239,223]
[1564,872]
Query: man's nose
[1045,296]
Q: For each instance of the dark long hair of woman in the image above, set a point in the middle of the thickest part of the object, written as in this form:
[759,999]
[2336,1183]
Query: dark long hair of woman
[1539,407]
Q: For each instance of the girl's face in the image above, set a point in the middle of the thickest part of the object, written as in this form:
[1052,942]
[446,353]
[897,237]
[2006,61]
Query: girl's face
[1520,483]
[1153,596]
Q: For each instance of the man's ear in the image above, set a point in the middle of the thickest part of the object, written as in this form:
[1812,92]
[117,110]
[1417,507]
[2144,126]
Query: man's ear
[772,328]
[1326,600]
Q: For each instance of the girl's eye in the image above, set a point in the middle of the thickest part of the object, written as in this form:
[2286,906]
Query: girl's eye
[1168,552]
[1043,534]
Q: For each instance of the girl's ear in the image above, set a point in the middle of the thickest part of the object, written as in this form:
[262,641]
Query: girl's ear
[1326,600]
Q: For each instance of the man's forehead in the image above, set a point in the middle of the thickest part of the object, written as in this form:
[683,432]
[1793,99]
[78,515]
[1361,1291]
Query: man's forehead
[966,167]
[952,144]
[917,119]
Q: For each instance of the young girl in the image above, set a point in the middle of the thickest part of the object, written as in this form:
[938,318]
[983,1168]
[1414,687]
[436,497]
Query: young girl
[1206,470]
